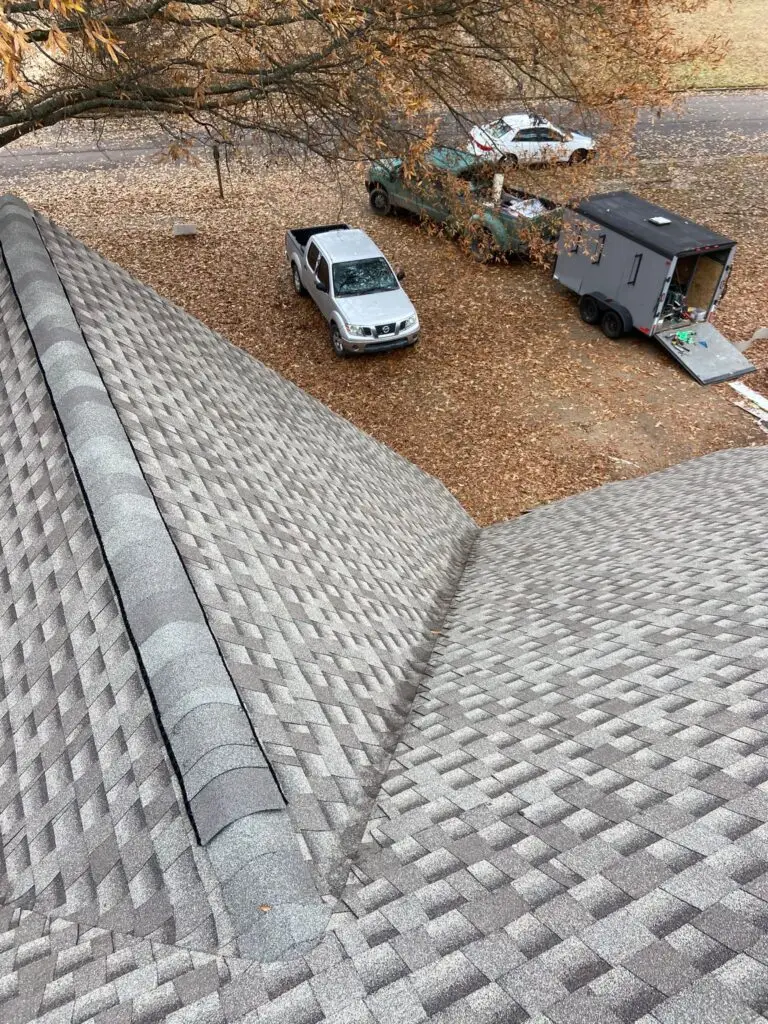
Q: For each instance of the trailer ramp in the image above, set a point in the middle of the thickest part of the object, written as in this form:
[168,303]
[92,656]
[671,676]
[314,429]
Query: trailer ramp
[703,351]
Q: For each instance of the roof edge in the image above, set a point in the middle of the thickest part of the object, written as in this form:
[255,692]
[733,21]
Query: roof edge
[232,796]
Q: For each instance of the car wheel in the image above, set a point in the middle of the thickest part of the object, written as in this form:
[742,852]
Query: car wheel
[298,287]
[578,157]
[612,324]
[508,161]
[483,246]
[338,344]
[380,201]
[589,309]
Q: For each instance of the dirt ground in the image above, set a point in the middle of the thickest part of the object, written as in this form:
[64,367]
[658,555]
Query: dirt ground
[509,398]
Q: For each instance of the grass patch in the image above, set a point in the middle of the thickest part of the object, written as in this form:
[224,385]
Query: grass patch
[744,25]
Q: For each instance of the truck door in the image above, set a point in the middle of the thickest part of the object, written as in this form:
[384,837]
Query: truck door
[322,294]
[433,202]
[310,262]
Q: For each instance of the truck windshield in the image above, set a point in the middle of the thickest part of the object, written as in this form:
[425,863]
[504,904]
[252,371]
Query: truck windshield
[363,277]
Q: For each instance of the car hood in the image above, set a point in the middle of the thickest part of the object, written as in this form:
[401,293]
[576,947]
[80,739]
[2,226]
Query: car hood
[376,308]
[386,166]
[585,140]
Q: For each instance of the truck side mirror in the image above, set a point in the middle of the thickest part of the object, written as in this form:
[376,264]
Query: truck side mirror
[320,286]
[399,273]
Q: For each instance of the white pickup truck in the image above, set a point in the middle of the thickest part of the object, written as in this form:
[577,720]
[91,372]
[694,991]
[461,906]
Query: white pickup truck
[354,287]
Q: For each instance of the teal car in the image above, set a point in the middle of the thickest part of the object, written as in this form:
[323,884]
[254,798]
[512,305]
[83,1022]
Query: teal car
[502,228]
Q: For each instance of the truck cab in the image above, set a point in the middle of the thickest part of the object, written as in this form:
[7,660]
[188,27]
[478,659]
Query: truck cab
[354,286]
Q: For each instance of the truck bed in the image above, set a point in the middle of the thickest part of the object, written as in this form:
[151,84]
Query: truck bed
[302,235]
[526,204]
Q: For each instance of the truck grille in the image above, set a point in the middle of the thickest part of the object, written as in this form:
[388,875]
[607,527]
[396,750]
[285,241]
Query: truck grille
[384,330]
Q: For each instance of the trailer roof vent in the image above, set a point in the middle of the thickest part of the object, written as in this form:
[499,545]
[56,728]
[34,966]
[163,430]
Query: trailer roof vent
[659,220]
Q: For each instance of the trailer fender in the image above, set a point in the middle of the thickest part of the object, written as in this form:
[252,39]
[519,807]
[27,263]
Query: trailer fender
[605,303]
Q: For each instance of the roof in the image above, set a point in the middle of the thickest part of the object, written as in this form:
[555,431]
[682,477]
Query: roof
[630,215]
[525,121]
[350,244]
[524,767]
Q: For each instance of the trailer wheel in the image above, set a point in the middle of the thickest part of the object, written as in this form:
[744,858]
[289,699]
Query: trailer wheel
[589,309]
[298,287]
[380,201]
[612,324]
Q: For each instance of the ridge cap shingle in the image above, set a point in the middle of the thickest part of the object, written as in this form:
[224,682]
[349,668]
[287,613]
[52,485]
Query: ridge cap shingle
[232,796]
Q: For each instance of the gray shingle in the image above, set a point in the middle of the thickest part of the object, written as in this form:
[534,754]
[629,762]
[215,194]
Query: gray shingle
[663,967]
[705,1002]
[570,776]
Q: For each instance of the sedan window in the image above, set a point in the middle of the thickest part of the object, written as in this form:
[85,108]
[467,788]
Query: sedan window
[528,135]
[497,129]
[363,277]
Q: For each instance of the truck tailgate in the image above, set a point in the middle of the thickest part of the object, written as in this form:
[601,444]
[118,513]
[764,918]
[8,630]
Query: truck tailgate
[704,352]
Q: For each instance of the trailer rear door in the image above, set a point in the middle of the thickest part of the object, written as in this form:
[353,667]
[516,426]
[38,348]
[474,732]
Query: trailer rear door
[704,352]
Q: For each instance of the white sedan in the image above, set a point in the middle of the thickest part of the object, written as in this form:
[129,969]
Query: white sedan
[524,139]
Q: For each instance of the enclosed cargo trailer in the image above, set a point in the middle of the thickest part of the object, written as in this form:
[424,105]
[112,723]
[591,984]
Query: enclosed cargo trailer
[638,266]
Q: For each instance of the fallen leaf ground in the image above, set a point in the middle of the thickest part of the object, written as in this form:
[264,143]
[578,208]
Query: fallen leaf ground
[509,399]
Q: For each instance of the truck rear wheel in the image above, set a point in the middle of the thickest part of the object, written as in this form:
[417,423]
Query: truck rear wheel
[589,309]
[380,201]
[612,324]
[298,287]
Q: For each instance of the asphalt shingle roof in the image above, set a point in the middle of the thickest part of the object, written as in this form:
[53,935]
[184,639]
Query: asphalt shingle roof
[525,767]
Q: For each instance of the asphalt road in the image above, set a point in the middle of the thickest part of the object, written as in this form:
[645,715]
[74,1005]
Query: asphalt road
[703,125]
[716,123]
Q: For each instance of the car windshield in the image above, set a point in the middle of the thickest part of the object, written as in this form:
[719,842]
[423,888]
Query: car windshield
[363,277]
[497,129]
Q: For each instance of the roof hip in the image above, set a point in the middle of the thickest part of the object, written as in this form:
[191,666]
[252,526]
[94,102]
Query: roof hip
[222,769]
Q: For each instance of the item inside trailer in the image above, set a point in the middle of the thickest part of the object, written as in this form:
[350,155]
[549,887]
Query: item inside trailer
[694,285]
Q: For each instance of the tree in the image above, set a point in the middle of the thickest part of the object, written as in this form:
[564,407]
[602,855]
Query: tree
[341,77]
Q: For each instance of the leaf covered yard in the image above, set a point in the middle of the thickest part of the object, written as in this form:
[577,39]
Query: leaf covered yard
[509,398]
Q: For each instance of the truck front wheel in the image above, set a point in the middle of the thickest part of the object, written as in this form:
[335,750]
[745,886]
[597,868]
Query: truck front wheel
[380,201]
[589,309]
[483,246]
[338,344]
[298,287]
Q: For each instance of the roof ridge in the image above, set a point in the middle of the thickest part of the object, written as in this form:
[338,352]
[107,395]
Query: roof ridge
[232,796]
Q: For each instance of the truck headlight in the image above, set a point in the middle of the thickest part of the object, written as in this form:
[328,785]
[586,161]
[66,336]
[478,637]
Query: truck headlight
[411,321]
[356,329]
